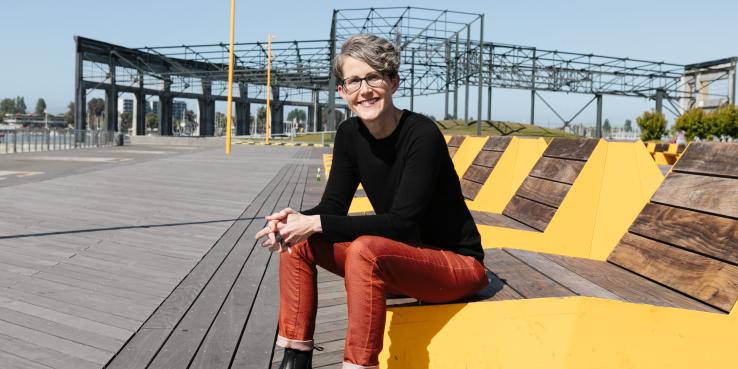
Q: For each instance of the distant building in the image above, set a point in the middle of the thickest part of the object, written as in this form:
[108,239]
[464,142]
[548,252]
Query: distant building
[125,105]
[13,121]
[178,110]
[154,107]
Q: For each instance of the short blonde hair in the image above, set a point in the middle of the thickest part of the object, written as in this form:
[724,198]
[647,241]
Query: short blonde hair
[376,51]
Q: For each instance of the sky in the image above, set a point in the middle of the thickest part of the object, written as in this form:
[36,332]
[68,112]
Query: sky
[37,54]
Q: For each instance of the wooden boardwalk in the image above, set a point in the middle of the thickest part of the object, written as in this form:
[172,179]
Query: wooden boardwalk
[86,258]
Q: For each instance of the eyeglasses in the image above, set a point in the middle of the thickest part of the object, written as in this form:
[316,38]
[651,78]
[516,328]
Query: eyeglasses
[353,84]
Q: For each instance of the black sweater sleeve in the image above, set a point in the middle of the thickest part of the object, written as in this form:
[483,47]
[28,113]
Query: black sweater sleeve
[342,181]
[411,199]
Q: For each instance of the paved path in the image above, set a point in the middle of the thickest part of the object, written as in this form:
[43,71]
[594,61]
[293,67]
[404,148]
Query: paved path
[89,247]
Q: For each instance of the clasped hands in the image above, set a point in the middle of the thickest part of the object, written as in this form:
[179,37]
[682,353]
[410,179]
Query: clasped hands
[286,228]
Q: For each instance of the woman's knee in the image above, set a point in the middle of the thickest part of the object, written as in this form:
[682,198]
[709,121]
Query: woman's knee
[365,249]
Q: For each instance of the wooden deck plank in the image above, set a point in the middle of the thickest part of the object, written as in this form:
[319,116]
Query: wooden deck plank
[183,343]
[144,345]
[44,356]
[521,277]
[487,158]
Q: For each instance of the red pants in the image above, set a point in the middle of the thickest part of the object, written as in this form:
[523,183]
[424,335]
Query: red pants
[371,266]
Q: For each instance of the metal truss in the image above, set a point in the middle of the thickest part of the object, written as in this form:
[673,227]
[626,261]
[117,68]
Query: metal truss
[441,50]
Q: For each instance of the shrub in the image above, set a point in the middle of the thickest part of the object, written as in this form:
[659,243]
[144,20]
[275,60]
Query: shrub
[652,124]
[692,123]
[719,123]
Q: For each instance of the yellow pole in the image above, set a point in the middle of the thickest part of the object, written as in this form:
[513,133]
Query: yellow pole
[230,81]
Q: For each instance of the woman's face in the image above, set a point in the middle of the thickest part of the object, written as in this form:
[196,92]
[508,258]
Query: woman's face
[368,102]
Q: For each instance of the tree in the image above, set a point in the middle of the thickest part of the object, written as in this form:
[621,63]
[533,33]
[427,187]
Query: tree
[7,106]
[189,116]
[606,127]
[652,124]
[69,115]
[126,120]
[152,120]
[40,107]
[692,123]
[95,108]
[20,105]
[296,113]
[628,126]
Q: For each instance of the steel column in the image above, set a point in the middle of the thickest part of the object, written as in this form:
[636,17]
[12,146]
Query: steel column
[331,119]
[412,80]
[660,101]
[140,125]
[598,127]
[467,75]
[80,93]
[731,85]
[456,79]
[448,80]
[481,75]
[207,109]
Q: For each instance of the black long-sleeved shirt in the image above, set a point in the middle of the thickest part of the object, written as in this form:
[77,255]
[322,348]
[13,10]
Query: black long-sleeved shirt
[410,181]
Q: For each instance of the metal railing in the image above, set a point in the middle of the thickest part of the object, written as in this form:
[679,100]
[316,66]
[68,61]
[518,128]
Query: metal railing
[34,140]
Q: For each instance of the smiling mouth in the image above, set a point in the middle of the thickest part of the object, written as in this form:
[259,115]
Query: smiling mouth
[368,102]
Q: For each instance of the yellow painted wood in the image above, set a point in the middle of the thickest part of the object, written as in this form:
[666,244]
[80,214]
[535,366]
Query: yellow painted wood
[614,185]
[466,153]
[516,162]
[553,333]
[447,138]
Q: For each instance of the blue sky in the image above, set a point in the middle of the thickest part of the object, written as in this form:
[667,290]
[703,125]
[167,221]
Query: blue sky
[37,58]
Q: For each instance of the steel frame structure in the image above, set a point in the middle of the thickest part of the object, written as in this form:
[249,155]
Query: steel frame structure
[441,52]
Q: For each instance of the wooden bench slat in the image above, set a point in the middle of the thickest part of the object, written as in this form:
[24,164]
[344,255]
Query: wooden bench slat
[497,143]
[498,220]
[628,285]
[470,189]
[573,281]
[560,170]
[703,278]
[497,290]
[487,158]
[571,148]
[716,195]
[710,158]
[525,280]
[544,191]
[530,213]
[703,233]
[456,141]
[477,173]
[452,151]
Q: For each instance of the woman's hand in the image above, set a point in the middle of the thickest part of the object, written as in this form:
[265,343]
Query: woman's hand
[274,240]
[298,228]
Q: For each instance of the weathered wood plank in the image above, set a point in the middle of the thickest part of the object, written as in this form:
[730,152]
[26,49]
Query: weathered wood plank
[470,189]
[571,148]
[715,158]
[544,191]
[452,151]
[531,213]
[257,342]
[498,220]
[565,277]
[703,278]
[146,343]
[703,233]
[497,143]
[525,280]
[716,195]
[628,285]
[487,158]
[477,173]
[496,290]
[456,141]
[38,354]
[183,343]
[560,170]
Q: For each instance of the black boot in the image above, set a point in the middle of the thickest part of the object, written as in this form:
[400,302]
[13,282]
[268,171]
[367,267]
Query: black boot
[296,359]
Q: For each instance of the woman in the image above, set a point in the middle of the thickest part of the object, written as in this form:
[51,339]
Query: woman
[421,243]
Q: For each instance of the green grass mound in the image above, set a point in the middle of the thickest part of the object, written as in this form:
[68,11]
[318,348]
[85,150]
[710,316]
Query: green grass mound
[498,128]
